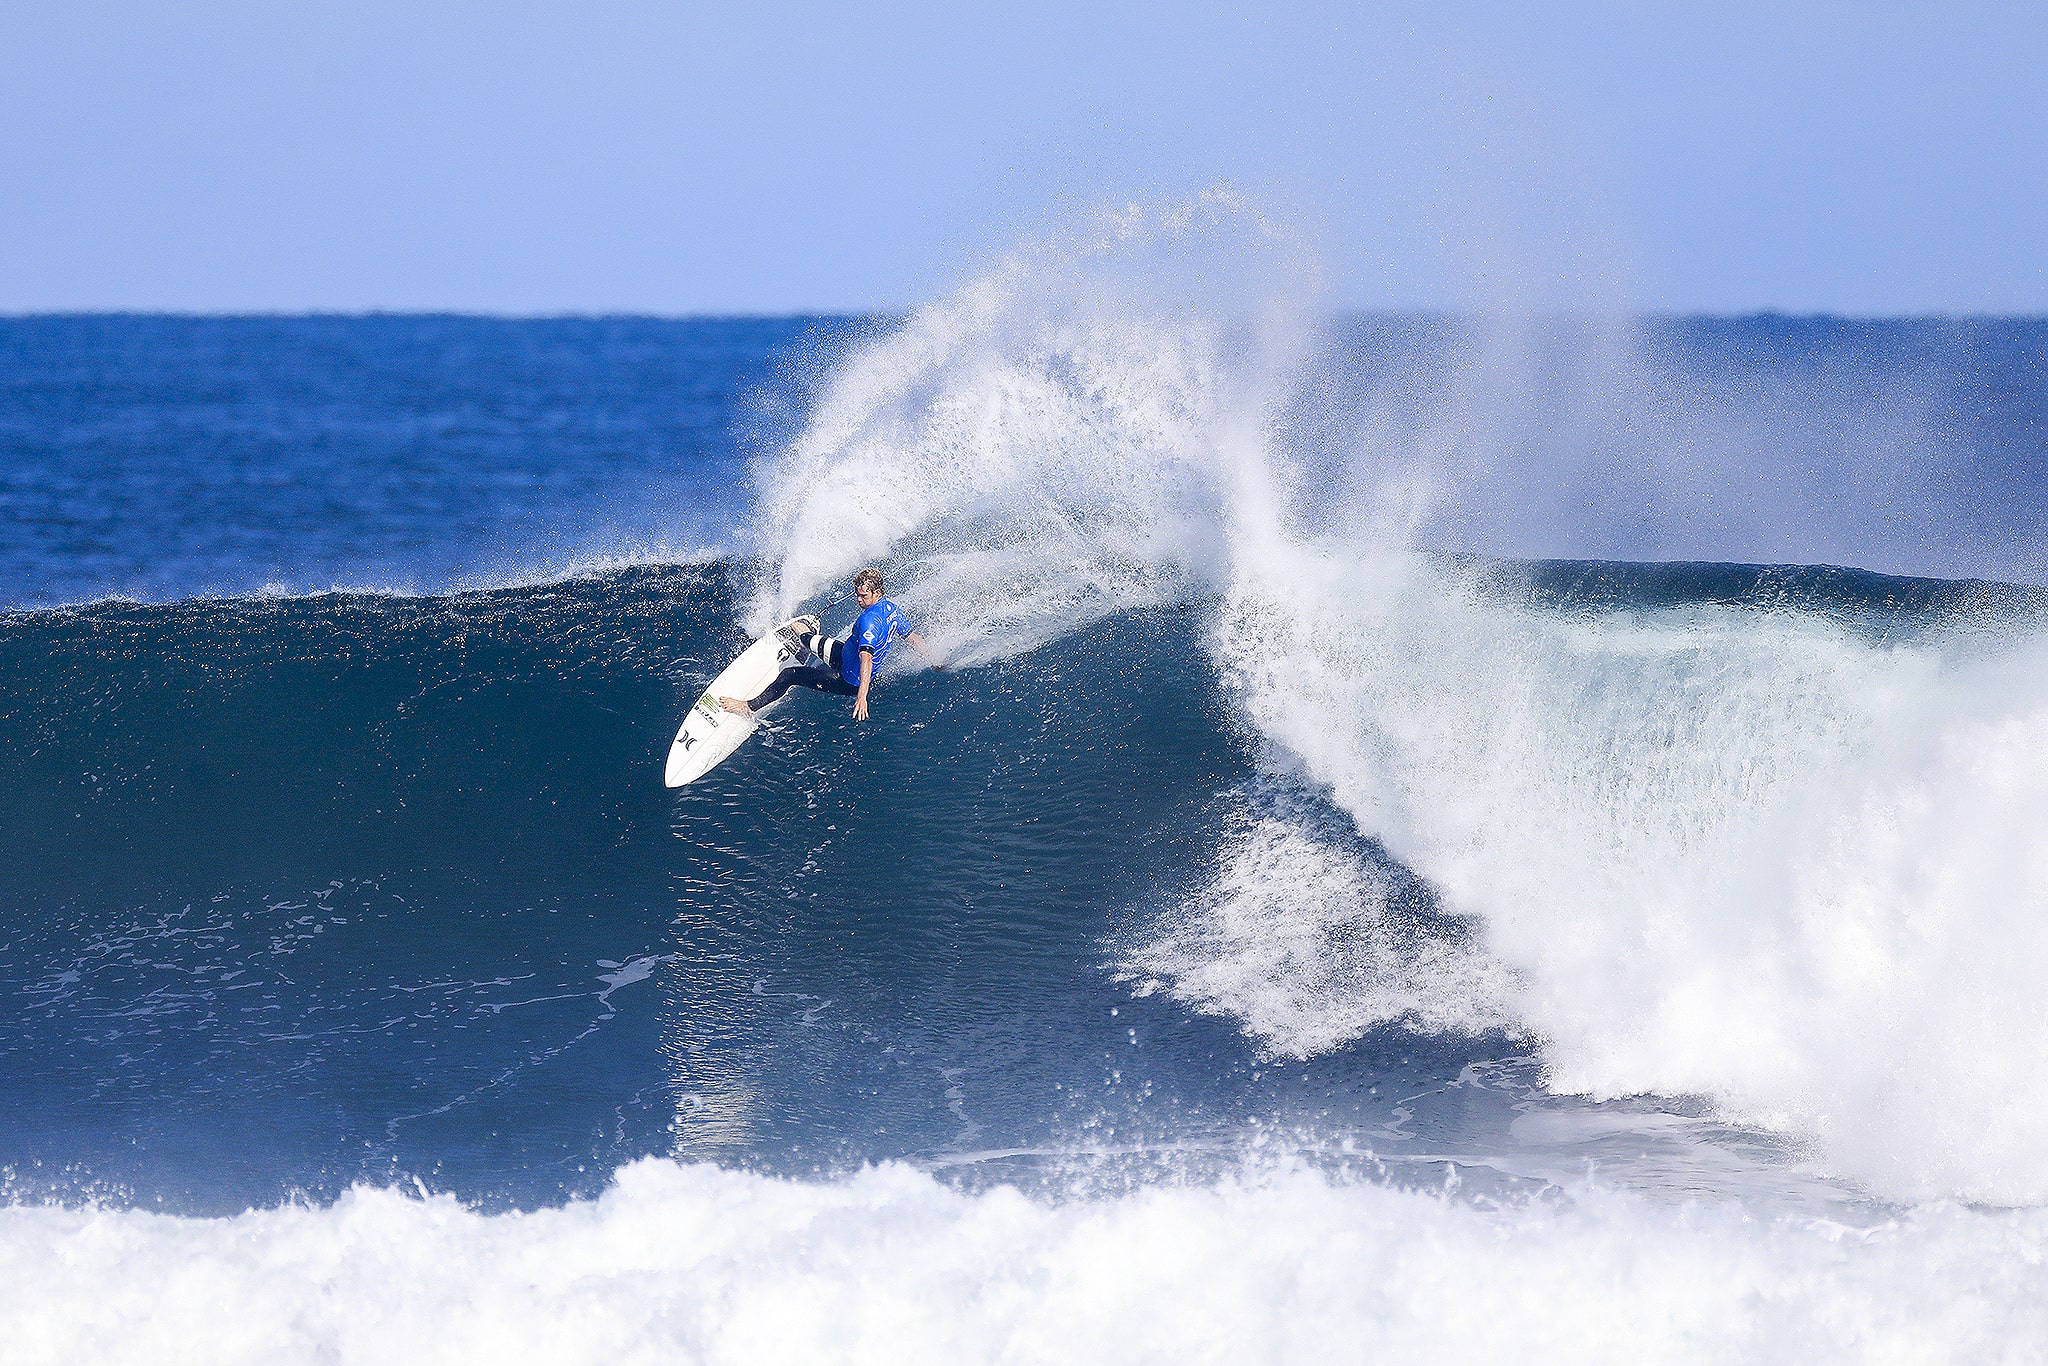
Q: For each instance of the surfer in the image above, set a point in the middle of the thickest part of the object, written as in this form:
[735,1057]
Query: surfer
[844,668]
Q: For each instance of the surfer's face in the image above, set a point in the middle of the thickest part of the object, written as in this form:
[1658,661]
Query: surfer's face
[866,597]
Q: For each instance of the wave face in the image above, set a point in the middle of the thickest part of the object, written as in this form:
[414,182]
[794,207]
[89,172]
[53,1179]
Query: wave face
[1340,883]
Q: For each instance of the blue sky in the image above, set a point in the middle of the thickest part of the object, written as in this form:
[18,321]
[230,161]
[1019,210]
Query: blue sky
[623,155]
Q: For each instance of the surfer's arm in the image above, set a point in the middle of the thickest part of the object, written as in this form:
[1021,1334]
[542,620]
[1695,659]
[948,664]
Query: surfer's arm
[867,674]
[918,645]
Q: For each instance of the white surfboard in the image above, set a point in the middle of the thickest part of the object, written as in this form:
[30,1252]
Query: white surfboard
[710,732]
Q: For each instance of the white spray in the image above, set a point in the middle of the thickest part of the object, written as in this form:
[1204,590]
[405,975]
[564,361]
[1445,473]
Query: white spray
[1063,439]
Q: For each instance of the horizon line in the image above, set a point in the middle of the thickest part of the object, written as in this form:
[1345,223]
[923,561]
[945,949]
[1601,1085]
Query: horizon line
[880,313]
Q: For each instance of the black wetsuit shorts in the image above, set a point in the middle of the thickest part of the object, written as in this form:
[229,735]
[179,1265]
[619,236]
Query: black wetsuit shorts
[821,673]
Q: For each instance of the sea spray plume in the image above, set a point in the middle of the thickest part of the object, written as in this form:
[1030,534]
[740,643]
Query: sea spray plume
[1812,441]
[1460,433]
[1741,853]
[1063,438]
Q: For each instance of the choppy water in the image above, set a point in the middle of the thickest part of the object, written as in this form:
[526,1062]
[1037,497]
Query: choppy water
[1321,914]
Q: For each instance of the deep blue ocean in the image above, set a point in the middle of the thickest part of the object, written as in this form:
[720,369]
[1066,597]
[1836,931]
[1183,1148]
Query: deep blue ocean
[1436,841]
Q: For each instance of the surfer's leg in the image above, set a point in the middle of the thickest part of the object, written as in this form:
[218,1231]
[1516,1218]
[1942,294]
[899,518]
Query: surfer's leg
[772,694]
[821,673]
[831,653]
[824,680]
[796,676]
[782,683]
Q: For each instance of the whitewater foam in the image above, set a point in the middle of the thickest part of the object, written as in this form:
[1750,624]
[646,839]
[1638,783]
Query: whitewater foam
[1310,944]
[694,1263]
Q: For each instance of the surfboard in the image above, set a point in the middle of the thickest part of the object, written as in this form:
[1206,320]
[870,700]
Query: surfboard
[710,733]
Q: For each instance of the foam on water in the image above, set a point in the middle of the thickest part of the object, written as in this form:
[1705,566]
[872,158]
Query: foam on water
[695,1263]
[1309,945]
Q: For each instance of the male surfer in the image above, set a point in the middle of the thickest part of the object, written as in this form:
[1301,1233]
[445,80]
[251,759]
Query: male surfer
[844,667]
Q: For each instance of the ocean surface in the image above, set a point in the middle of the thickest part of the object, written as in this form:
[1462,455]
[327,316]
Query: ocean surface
[1439,840]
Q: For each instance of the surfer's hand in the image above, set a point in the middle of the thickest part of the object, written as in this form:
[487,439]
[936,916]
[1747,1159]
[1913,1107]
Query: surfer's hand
[860,708]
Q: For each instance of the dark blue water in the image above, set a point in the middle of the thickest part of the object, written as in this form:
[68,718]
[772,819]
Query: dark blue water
[162,457]
[301,891]
[320,889]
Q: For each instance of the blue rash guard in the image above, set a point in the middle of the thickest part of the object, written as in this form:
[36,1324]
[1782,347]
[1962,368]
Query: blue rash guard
[873,629]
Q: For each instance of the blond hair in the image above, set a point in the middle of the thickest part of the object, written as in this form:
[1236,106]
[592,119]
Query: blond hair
[868,578]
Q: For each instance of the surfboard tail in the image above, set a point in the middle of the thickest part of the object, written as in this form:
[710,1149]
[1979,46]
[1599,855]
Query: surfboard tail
[796,638]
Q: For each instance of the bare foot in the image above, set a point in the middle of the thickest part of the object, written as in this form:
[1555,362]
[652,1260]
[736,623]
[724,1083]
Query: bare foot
[735,706]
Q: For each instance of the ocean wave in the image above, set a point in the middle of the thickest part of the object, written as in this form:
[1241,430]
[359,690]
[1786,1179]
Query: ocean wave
[1765,837]
[1778,845]
[1778,856]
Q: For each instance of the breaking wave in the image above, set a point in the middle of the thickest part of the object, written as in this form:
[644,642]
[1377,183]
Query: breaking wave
[1780,848]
